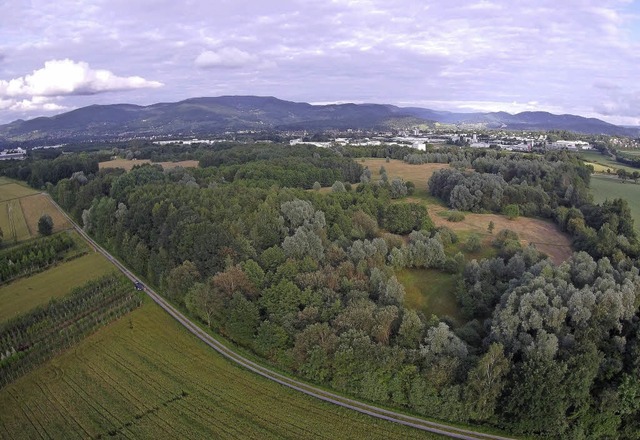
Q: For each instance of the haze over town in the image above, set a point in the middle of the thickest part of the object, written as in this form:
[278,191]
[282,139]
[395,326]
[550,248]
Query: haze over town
[573,56]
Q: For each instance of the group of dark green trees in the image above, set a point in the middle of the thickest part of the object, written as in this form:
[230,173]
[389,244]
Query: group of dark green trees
[306,279]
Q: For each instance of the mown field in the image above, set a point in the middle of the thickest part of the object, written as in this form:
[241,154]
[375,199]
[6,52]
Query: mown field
[144,376]
[604,188]
[129,164]
[26,293]
[20,209]
[602,163]
[418,174]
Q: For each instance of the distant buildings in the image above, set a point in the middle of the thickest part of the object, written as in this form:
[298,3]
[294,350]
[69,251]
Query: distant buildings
[15,153]
[570,145]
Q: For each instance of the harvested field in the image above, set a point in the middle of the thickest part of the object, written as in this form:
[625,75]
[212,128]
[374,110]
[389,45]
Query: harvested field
[26,293]
[144,376]
[545,235]
[33,207]
[129,164]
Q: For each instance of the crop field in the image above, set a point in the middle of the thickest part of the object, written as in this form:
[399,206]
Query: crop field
[418,174]
[144,376]
[129,164]
[603,188]
[12,221]
[11,190]
[430,291]
[26,293]
[33,207]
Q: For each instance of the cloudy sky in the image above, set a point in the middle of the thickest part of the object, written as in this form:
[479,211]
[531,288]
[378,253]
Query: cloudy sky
[562,56]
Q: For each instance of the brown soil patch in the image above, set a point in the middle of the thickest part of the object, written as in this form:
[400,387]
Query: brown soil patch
[129,164]
[33,207]
[544,235]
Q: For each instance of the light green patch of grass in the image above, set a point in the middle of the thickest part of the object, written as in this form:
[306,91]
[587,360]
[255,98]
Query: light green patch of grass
[601,162]
[24,294]
[610,188]
[431,292]
[145,376]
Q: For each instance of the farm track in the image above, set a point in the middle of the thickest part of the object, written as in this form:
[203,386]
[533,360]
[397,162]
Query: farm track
[371,410]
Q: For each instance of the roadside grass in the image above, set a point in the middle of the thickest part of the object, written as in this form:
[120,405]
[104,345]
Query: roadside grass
[26,293]
[603,188]
[431,292]
[33,207]
[129,164]
[145,376]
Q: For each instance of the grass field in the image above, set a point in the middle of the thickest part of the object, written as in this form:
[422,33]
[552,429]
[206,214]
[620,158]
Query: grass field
[11,190]
[418,174]
[602,163]
[33,207]
[129,164]
[144,376]
[431,292]
[12,221]
[26,293]
[604,188]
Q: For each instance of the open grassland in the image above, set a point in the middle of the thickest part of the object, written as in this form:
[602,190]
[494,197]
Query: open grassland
[12,190]
[144,376]
[12,221]
[129,164]
[26,293]
[610,188]
[603,163]
[418,174]
[545,235]
[33,207]
[431,292]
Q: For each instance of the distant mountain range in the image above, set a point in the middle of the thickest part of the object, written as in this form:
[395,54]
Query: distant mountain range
[200,116]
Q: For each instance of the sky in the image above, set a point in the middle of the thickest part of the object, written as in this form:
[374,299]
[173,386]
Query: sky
[562,56]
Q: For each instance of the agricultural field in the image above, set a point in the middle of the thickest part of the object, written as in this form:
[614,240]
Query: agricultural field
[431,292]
[33,207]
[26,293]
[10,190]
[145,376]
[604,187]
[129,164]
[418,174]
[12,221]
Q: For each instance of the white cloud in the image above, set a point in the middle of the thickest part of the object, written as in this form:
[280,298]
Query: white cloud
[67,77]
[227,57]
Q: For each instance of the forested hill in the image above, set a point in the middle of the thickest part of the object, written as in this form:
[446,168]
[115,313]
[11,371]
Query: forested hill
[200,116]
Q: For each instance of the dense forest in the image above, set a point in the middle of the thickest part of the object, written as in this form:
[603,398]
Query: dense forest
[307,278]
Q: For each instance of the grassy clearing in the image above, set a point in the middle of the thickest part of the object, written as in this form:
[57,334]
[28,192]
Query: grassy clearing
[603,163]
[12,221]
[431,292]
[129,164]
[26,293]
[418,174]
[604,188]
[33,207]
[144,376]
[11,190]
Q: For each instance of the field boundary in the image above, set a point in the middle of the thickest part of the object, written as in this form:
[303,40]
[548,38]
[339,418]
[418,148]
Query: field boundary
[364,408]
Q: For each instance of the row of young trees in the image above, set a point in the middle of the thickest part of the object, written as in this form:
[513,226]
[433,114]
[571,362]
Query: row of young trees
[32,338]
[307,280]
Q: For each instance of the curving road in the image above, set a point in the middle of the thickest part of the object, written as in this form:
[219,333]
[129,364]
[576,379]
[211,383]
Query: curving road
[371,410]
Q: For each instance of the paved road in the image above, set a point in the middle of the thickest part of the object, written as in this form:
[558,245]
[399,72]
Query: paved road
[374,411]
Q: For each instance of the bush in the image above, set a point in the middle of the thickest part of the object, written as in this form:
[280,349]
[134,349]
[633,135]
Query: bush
[455,216]
[511,211]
